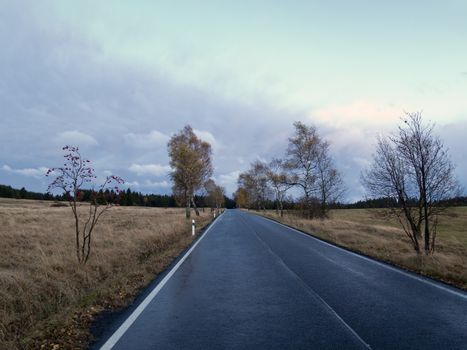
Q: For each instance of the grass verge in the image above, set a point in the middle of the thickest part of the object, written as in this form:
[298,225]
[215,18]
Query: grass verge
[47,300]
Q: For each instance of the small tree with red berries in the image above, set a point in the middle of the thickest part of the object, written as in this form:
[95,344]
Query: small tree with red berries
[75,174]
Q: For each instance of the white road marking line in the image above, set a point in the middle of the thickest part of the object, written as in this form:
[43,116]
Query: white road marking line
[393,268]
[310,290]
[110,343]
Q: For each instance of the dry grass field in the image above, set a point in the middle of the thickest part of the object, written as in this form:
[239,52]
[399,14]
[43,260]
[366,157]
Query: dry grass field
[47,300]
[373,233]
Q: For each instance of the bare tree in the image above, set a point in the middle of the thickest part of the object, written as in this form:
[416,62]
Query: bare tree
[301,161]
[311,169]
[280,182]
[190,159]
[259,170]
[71,178]
[328,179]
[413,168]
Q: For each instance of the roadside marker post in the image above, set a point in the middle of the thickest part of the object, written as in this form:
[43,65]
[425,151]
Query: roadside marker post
[115,337]
[193,227]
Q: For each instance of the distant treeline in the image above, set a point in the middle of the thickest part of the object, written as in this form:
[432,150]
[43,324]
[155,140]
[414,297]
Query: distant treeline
[363,204]
[131,198]
[10,192]
[125,198]
[391,202]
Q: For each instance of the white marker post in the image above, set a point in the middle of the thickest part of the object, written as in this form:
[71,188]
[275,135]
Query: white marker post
[193,227]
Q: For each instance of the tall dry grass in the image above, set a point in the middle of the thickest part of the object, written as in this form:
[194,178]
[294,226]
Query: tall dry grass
[375,233]
[48,299]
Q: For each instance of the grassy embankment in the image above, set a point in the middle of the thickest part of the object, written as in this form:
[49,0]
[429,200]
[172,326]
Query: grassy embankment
[374,233]
[46,299]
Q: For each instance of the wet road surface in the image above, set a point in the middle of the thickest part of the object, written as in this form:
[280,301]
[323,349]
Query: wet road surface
[251,283]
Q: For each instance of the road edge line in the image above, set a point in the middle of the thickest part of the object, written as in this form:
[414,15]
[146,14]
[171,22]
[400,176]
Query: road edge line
[311,290]
[421,278]
[115,337]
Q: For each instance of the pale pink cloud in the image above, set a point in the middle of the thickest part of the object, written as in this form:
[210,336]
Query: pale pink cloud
[358,113]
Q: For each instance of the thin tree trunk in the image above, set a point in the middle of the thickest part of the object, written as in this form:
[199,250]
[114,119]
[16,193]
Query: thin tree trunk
[187,209]
[194,206]
[425,211]
[88,249]
[307,206]
[416,245]
[77,233]
[427,230]
[324,204]
[433,234]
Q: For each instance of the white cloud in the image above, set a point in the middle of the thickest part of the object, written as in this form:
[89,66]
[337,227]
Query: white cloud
[229,178]
[357,139]
[240,160]
[132,184]
[75,138]
[32,172]
[159,184]
[208,137]
[229,181]
[362,162]
[152,139]
[149,169]
[147,184]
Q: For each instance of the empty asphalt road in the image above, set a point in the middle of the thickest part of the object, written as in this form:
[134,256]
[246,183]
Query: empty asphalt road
[251,283]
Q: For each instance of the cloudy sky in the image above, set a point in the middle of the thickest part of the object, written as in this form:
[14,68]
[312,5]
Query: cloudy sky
[118,78]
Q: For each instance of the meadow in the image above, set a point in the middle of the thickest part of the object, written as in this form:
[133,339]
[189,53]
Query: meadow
[375,233]
[48,300]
